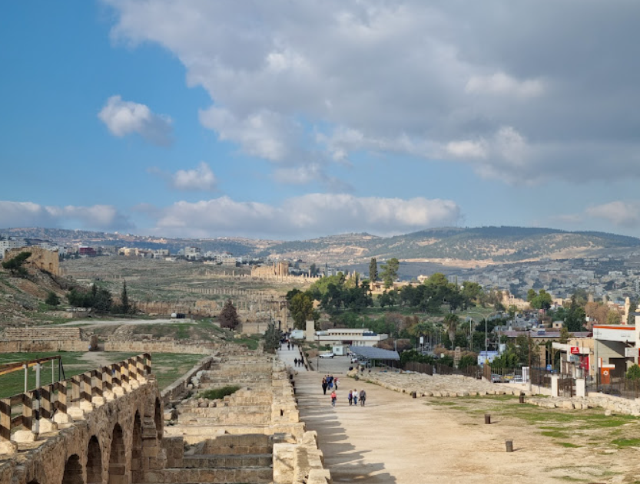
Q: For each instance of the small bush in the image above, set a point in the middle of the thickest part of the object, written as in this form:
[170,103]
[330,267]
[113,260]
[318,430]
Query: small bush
[219,393]
[633,373]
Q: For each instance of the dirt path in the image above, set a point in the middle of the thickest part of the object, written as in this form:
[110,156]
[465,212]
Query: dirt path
[397,439]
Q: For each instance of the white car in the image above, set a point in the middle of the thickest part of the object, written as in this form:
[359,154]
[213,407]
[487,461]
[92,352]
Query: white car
[327,355]
[354,359]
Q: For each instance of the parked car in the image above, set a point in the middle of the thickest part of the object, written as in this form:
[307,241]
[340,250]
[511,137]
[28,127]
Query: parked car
[354,359]
[327,355]
[495,378]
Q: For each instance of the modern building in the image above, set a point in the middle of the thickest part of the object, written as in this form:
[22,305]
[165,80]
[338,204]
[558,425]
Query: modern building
[616,348]
[11,243]
[348,336]
[192,253]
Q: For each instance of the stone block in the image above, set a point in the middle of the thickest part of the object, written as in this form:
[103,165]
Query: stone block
[23,437]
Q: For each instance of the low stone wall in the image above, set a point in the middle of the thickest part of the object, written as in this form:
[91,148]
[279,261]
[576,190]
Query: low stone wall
[437,385]
[160,347]
[42,334]
[42,346]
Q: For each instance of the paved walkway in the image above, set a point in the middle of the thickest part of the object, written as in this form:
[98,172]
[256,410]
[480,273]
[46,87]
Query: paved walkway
[397,439]
[287,356]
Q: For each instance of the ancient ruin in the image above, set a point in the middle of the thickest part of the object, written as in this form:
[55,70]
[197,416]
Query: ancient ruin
[113,426]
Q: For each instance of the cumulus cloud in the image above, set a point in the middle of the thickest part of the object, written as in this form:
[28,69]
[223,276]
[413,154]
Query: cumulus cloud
[498,86]
[202,178]
[307,215]
[29,214]
[125,117]
[619,213]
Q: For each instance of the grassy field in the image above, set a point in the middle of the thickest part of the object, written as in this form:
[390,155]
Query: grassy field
[565,428]
[166,366]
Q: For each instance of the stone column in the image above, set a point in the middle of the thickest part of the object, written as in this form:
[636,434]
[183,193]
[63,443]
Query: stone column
[554,385]
[581,387]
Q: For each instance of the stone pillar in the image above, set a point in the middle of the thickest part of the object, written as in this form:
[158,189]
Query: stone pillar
[581,387]
[554,385]
[310,332]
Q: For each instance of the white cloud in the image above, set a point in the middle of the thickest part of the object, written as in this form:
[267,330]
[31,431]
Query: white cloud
[503,84]
[308,215]
[125,117]
[202,178]
[29,214]
[491,84]
[619,213]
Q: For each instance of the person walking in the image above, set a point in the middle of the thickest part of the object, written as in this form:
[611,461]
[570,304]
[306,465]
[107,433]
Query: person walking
[295,362]
[355,397]
[350,397]
[363,397]
[335,380]
[324,386]
[334,397]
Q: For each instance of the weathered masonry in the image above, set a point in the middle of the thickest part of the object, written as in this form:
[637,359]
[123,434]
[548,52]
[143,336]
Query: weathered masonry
[107,427]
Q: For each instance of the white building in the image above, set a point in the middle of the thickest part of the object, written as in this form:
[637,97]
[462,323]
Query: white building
[9,244]
[192,253]
[348,336]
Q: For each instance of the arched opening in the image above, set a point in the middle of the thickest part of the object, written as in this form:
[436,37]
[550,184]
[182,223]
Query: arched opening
[136,450]
[73,471]
[117,457]
[157,418]
[94,462]
[33,481]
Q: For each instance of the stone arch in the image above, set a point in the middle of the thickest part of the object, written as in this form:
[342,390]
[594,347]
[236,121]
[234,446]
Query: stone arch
[117,457]
[33,481]
[73,471]
[94,461]
[157,418]
[136,449]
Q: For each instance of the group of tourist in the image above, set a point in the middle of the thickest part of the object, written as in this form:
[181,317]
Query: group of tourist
[353,397]
[298,362]
[329,381]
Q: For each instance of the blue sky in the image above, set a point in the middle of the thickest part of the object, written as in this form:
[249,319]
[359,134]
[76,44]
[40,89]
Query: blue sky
[267,119]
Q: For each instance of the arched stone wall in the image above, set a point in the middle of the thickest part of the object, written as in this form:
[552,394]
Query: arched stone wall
[94,462]
[158,418]
[73,471]
[136,449]
[117,457]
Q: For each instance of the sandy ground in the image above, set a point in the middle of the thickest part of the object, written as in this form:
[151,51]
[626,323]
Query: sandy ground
[397,439]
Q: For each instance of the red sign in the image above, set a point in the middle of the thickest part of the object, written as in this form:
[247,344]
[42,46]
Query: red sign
[575,350]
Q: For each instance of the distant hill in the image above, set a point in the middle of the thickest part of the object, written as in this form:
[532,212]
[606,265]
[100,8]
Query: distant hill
[483,245]
[452,246]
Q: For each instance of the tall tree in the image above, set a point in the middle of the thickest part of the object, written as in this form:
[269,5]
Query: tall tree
[373,270]
[301,307]
[124,299]
[228,317]
[451,322]
[390,272]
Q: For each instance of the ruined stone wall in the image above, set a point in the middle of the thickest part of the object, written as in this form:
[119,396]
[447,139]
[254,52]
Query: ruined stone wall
[43,334]
[179,388]
[40,258]
[278,269]
[200,307]
[258,327]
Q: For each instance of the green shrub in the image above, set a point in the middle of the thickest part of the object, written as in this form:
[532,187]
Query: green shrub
[219,393]
[633,373]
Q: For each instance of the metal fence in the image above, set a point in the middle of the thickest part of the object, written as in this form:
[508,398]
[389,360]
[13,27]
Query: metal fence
[437,369]
[620,387]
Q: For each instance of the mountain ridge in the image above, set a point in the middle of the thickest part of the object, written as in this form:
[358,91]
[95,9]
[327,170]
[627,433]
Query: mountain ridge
[482,245]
